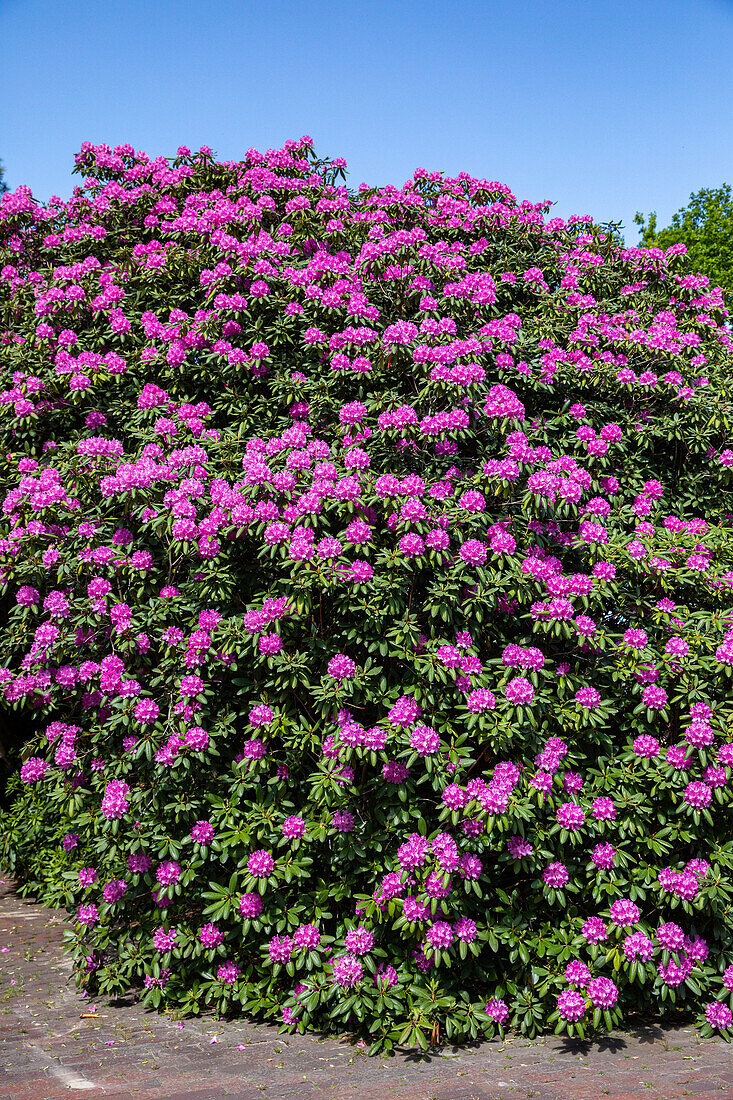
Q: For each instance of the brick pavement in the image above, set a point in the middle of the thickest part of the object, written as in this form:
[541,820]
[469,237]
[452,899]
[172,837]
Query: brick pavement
[54,1042]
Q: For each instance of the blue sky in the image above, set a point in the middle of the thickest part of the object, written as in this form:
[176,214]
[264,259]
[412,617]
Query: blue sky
[604,107]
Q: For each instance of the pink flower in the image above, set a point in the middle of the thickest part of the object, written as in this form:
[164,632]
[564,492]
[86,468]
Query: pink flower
[699,733]
[359,941]
[638,946]
[519,691]
[139,863]
[250,906]
[254,749]
[603,809]
[424,741]
[646,746]
[33,769]
[163,940]
[671,936]
[455,797]
[676,756]
[497,1010]
[602,992]
[261,715]
[412,853]
[191,686]
[341,667]
[347,971]
[571,1005]
[518,847]
[115,800]
[603,855]
[202,833]
[675,972]
[114,890]
[411,545]
[405,711]
[594,930]
[210,935]
[146,711]
[465,930]
[293,827]
[56,605]
[343,821]
[570,816]
[306,937]
[352,413]
[449,655]
[653,697]
[197,738]
[718,1015]
[635,639]
[88,915]
[698,795]
[227,973]
[555,875]
[479,700]
[280,949]
[261,864]
[473,552]
[27,596]
[624,913]
[395,772]
[168,872]
[577,973]
[588,698]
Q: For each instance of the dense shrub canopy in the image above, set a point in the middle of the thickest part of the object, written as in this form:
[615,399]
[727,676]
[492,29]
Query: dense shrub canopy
[367,576]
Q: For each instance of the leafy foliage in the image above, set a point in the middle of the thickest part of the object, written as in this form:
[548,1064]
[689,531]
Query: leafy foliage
[366,562]
[705,227]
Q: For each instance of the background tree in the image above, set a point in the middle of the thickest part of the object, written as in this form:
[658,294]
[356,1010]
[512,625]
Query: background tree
[706,227]
[3,185]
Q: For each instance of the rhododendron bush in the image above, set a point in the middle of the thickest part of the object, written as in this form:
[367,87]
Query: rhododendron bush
[367,567]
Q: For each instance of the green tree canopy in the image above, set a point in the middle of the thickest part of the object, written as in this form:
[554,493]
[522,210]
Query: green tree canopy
[705,226]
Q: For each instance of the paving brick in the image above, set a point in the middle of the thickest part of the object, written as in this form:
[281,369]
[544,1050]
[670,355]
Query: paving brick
[46,1031]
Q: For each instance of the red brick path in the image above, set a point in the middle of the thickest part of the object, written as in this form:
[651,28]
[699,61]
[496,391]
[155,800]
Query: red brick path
[52,1045]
